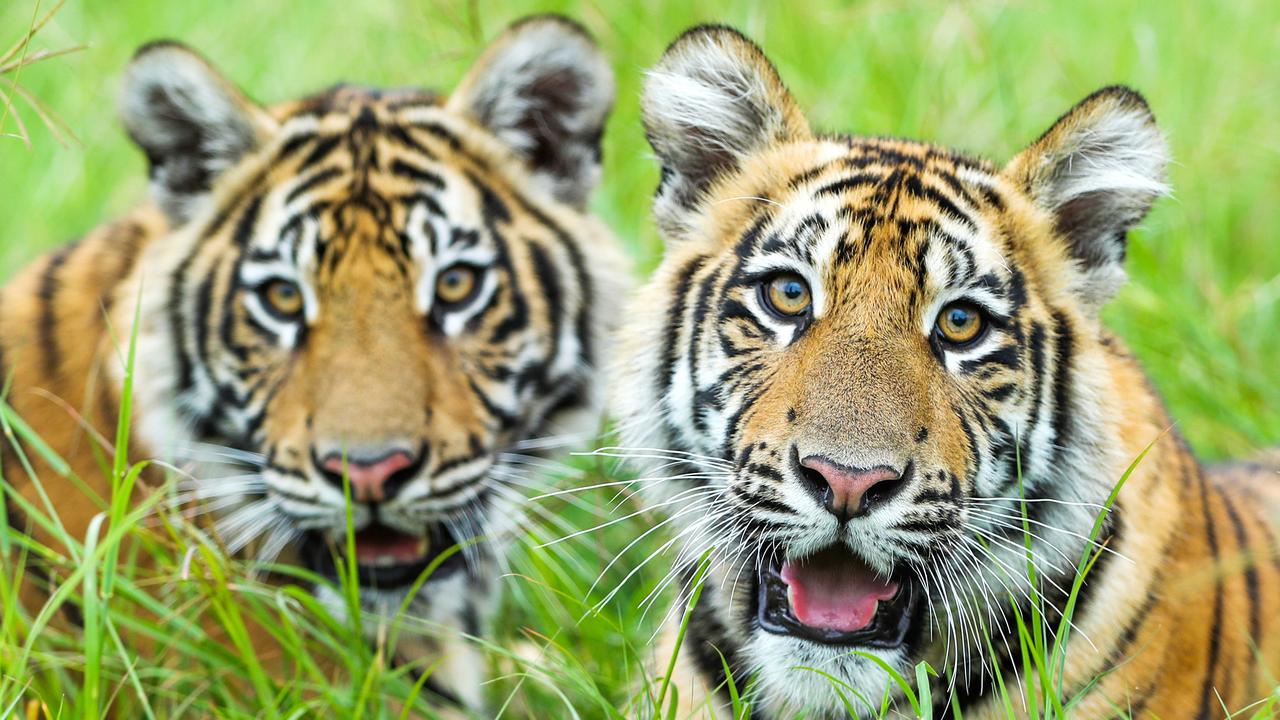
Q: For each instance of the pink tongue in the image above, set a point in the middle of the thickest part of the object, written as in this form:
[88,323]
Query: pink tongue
[835,591]
[379,542]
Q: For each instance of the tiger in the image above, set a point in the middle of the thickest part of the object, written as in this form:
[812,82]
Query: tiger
[365,302]
[888,423]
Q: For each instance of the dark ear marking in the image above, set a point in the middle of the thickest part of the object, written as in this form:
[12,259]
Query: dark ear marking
[191,123]
[712,100]
[545,89]
[1097,171]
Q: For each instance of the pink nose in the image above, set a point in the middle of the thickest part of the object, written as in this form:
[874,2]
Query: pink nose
[371,480]
[850,492]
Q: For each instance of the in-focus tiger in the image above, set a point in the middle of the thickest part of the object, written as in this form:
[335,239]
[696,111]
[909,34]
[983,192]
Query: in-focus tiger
[864,351]
[391,287]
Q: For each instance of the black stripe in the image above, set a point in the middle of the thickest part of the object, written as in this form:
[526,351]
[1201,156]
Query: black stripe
[446,135]
[942,201]
[705,287]
[293,145]
[1035,343]
[321,151]
[546,275]
[1120,652]
[230,299]
[417,174]
[402,136]
[1208,702]
[581,274]
[859,180]
[47,324]
[177,325]
[504,418]
[1004,356]
[1244,553]
[245,228]
[1064,345]
[675,321]
[495,211]
[306,185]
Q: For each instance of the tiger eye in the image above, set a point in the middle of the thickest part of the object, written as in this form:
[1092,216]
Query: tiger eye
[456,284]
[959,323]
[788,294]
[283,297]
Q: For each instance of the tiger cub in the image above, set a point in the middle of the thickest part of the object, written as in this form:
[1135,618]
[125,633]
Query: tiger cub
[376,293]
[867,352]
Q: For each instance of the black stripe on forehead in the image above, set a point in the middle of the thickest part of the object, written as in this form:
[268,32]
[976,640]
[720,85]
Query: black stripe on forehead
[919,190]
[795,240]
[851,182]
[751,242]
[311,183]
[324,147]
[463,239]
[404,138]
[292,145]
[415,173]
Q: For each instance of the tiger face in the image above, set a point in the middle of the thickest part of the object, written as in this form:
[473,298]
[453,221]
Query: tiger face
[374,298]
[863,351]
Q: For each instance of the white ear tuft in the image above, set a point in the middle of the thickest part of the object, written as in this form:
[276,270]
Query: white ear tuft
[189,120]
[1098,171]
[712,100]
[545,89]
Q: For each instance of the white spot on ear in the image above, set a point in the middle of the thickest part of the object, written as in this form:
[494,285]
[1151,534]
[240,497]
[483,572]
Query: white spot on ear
[192,123]
[1097,171]
[1122,152]
[712,100]
[545,89]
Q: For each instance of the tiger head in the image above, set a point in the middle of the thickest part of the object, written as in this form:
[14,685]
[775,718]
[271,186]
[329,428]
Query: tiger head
[862,351]
[375,298]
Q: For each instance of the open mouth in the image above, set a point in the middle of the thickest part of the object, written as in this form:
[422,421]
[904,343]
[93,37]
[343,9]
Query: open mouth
[385,558]
[834,597]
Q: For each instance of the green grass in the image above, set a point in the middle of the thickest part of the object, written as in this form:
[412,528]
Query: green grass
[1202,310]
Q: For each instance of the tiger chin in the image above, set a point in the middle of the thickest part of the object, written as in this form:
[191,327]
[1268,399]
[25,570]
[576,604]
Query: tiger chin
[380,295]
[861,354]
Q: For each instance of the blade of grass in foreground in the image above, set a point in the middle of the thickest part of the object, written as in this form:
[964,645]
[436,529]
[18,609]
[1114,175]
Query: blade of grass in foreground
[1087,558]
[704,566]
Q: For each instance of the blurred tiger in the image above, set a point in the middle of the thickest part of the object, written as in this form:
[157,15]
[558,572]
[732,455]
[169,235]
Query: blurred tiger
[863,353]
[383,293]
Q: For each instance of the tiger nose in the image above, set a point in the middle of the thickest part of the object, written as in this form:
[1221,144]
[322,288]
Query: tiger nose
[375,475]
[850,492]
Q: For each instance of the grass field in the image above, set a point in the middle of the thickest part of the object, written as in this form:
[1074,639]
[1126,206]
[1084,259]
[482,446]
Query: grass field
[1202,310]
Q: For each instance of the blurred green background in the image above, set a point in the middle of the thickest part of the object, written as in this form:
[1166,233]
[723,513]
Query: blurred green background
[1202,310]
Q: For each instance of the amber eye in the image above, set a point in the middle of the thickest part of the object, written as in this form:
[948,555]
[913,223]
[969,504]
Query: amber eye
[959,323]
[282,297]
[787,294]
[457,284]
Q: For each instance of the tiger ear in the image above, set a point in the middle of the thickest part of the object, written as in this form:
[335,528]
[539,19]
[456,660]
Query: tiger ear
[712,100]
[545,89]
[191,122]
[1097,171]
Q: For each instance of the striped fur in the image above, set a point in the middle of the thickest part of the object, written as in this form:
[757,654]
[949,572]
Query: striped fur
[1179,617]
[360,198]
